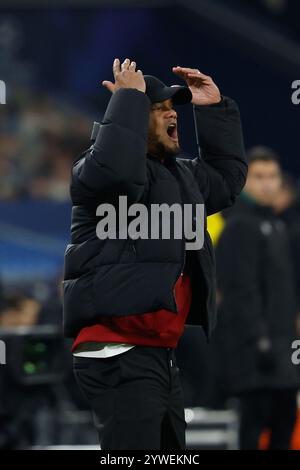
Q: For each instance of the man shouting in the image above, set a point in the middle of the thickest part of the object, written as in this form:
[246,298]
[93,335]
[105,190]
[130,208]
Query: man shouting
[127,299]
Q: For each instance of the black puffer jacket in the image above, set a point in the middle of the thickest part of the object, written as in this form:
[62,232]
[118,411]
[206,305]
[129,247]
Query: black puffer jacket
[123,277]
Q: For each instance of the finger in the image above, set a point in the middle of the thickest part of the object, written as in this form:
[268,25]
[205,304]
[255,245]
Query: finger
[125,64]
[188,71]
[116,66]
[132,66]
[200,76]
[109,85]
[177,70]
[179,73]
[185,69]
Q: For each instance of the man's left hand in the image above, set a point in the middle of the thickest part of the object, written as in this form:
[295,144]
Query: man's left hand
[204,90]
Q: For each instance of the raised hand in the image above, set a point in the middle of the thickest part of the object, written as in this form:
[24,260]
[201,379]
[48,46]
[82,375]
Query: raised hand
[125,76]
[204,90]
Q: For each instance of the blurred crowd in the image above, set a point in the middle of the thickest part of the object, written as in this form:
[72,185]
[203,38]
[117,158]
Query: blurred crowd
[39,138]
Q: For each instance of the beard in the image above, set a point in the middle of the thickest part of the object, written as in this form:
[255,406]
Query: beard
[166,153]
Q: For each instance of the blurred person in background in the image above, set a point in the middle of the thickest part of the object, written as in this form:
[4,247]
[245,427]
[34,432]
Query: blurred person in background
[257,308]
[286,204]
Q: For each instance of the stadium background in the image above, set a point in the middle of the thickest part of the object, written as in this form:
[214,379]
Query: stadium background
[53,60]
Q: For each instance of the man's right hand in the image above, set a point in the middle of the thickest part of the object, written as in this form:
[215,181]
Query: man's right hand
[126,77]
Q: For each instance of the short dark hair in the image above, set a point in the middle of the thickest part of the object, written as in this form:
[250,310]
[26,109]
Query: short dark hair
[262,153]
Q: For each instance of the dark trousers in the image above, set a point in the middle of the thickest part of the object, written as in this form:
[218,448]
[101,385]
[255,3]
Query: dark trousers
[275,410]
[136,398]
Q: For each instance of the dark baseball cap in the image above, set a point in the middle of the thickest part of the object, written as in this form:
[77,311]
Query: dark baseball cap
[157,91]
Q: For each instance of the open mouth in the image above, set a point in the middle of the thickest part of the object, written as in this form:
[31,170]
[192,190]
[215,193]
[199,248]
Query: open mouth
[172,132]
